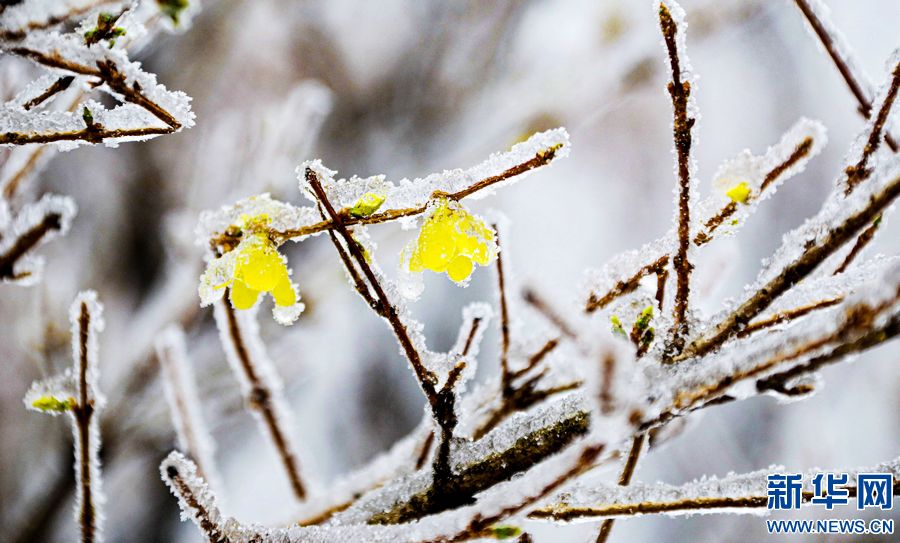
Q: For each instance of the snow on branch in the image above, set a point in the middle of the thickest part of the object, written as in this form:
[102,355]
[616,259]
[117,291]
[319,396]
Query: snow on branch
[33,225]
[818,15]
[742,184]
[673,26]
[260,386]
[194,497]
[26,16]
[735,493]
[89,58]
[180,388]
[403,200]
[75,392]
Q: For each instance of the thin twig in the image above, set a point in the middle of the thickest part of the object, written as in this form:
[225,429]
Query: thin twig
[82,414]
[56,87]
[629,285]
[563,513]
[859,318]
[859,172]
[12,186]
[424,450]
[607,374]
[26,242]
[108,73]
[880,335]
[520,398]
[86,134]
[210,529]
[183,400]
[793,273]
[56,20]
[427,379]
[864,101]
[801,151]
[505,374]
[682,125]
[259,397]
[861,242]
[532,298]
[637,445]
[788,315]
[358,282]
[536,358]
[540,159]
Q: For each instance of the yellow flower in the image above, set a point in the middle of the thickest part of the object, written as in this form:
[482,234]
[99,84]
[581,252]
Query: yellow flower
[452,241]
[258,268]
[253,267]
[739,193]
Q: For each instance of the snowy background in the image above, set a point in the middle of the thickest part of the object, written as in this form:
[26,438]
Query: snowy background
[405,88]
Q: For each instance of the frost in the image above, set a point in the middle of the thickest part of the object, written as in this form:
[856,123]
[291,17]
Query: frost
[60,387]
[180,388]
[260,384]
[609,501]
[281,215]
[737,365]
[409,194]
[34,225]
[838,45]
[19,17]
[146,109]
[762,175]
[836,209]
[195,500]
[77,389]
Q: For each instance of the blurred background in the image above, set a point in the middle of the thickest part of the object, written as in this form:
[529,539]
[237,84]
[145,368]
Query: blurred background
[405,88]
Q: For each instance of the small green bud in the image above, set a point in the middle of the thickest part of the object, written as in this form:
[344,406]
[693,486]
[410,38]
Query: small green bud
[87,116]
[172,9]
[52,404]
[367,204]
[644,318]
[504,531]
[617,326]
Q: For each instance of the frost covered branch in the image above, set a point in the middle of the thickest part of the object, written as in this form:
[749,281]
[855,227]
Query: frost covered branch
[406,199]
[744,493]
[624,480]
[34,225]
[683,124]
[184,402]
[88,59]
[75,392]
[194,497]
[260,385]
[818,17]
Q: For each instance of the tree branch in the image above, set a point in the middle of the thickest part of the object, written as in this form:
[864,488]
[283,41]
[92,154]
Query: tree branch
[793,273]
[259,397]
[862,98]
[624,480]
[680,92]
[26,242]
[540,159]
